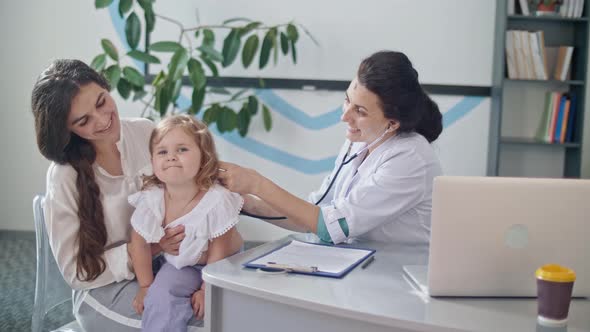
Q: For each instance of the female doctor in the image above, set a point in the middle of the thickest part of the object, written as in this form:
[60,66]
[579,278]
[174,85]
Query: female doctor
[385,192]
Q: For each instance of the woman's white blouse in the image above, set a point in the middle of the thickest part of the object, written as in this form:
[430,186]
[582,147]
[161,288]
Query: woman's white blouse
[61,207]
[387,197]
[216,213]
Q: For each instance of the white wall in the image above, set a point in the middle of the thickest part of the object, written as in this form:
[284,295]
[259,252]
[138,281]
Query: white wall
[32,34]
[74,28]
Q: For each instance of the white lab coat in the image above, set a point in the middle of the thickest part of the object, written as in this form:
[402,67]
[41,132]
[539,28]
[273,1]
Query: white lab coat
[387,197]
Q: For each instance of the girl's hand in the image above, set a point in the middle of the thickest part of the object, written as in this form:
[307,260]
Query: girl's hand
[138,300]
[238,179]
[198,301]
[170,242]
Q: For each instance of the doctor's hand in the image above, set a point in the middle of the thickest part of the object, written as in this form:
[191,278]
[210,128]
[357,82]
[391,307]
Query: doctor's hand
[239,179]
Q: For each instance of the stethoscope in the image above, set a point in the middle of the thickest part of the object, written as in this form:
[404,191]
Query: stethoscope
[345,161]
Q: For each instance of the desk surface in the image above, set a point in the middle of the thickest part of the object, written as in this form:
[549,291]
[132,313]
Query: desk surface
[380,294]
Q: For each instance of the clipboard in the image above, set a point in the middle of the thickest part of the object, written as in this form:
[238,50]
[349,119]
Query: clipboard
[315,259]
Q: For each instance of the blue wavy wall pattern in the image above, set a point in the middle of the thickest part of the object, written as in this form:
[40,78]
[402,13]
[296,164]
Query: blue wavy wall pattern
[292,113]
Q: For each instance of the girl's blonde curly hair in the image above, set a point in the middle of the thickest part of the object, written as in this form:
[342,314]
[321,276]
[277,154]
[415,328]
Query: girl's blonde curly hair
[207,175]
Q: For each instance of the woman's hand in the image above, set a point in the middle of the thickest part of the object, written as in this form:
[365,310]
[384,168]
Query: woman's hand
[138,300]
[239,179]
[170,242]
[198,301]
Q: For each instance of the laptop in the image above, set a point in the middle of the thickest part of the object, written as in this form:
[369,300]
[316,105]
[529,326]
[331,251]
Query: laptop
[490,234]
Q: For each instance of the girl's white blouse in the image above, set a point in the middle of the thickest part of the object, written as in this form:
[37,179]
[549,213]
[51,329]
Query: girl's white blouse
[216,213]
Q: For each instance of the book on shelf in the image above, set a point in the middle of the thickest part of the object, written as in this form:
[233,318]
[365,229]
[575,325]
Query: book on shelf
[564,60]
[524,7]
[557,121]
[566,8]
[527,57]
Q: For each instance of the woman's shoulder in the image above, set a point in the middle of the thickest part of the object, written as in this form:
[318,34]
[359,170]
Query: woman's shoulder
[410,143]
[141,125]
[61,172]
[60,180]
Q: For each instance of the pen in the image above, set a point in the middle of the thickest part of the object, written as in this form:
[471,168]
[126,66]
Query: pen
[289,268]
[368,262]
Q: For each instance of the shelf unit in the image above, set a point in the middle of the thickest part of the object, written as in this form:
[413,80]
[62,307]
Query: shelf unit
[517,105]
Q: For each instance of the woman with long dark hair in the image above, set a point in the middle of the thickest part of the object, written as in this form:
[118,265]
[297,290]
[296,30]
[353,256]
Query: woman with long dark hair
[98,160]
[381,186]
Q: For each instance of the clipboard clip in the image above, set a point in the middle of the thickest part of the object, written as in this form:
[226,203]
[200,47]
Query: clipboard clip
[292,268]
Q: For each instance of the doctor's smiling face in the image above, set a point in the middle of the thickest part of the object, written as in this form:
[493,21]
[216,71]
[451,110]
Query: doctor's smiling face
[363,113]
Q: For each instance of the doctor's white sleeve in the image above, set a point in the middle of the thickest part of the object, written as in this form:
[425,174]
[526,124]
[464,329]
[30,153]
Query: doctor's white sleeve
[397,185]
[62,224]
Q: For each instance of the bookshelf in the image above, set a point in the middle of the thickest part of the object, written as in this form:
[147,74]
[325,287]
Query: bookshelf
[518,105]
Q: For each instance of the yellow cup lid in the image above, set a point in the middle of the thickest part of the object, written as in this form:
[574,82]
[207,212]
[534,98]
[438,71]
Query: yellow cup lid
[555,273]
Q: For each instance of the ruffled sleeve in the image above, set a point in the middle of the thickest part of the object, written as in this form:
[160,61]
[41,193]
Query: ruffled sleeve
[225,214]
[149,214]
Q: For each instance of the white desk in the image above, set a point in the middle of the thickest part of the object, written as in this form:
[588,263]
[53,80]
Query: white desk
[377,298]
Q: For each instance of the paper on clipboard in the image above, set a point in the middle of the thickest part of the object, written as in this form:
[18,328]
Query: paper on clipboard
[330,259]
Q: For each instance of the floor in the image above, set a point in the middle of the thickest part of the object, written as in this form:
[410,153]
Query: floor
[17,284]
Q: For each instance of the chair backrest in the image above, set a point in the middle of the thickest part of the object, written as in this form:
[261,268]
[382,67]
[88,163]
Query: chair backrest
[50,287]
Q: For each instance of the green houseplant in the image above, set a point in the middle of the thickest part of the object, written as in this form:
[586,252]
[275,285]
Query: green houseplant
[194,53]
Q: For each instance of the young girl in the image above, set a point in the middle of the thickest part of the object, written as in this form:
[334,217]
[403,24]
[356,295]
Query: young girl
[182,191]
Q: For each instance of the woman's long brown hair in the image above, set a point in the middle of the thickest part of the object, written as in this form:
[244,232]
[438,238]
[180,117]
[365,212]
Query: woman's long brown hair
[51,100]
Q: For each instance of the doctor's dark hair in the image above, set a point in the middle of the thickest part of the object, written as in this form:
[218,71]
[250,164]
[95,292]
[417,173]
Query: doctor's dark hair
[392,78]
[51,101]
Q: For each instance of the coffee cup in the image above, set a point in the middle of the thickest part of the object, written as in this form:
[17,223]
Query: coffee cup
[554,293]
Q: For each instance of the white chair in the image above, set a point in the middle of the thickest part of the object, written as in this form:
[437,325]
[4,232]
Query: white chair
[50,288]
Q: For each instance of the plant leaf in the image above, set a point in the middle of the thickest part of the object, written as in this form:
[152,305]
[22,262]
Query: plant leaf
[293,52]
[113,74]
[231,46]
[197,100]
[239,93]
[150,19]
[219,91]
[266,117]
[102,3]
[227,120]
[145,4]
[208,37]
[109,49]
[124,88]
[133,76]
[178,64]
[159,78]
[250,48]
[124,7]
[210,52]
[162,100]
[275,48]
[292,32]
[175,90]
[267,44]
[252,105]
[99,62]
[209,115]
[211,66]
[138,95]
[249,27]
[236,19]
[132,30]
[165,46]
[284,43]
[197,74]
[142,56]
[243,121]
